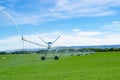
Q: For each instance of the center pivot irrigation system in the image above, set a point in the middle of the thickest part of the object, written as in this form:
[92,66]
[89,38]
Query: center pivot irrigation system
[48,46]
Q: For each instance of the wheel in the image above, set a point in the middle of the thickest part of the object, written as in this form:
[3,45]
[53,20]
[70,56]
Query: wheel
[56,57]
[42,58]
[78,54]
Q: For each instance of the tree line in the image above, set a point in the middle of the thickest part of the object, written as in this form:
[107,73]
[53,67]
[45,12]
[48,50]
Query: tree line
[64,50]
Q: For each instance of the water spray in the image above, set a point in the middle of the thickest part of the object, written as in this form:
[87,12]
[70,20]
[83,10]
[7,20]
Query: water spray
[12,19]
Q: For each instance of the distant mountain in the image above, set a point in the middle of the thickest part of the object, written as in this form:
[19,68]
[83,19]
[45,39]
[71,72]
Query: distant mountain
[94,46]
[26,49]
[97,46]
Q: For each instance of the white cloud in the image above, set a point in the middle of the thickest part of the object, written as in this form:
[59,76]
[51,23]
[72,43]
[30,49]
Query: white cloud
[84,33]
[10,43]
[86,7]
[2,8]
[76,30]
[64,9]
[114,26]
[78,38]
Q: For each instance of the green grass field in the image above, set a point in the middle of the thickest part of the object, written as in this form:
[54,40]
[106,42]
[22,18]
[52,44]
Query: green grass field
[99,66]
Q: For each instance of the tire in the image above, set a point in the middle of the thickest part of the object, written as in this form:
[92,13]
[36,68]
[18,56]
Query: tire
[56,58]
[78,54]
[42,58]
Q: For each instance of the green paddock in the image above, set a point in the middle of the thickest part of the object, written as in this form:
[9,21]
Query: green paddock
[99,66]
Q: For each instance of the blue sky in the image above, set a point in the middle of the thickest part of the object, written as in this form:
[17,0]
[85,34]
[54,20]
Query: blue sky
[79,22]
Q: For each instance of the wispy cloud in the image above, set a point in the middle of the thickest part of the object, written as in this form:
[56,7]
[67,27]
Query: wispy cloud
[76,30]
[10,43]
[86,7]
[114,26]
[57,9]
[78,38]
[1,7]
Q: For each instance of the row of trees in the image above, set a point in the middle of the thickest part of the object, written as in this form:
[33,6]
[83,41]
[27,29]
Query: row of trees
[64,50]
[90,49]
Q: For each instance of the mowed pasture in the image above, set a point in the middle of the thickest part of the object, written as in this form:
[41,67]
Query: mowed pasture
[99,66]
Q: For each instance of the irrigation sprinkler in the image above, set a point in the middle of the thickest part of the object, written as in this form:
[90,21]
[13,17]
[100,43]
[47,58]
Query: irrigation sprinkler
[82,52]
[48,46]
